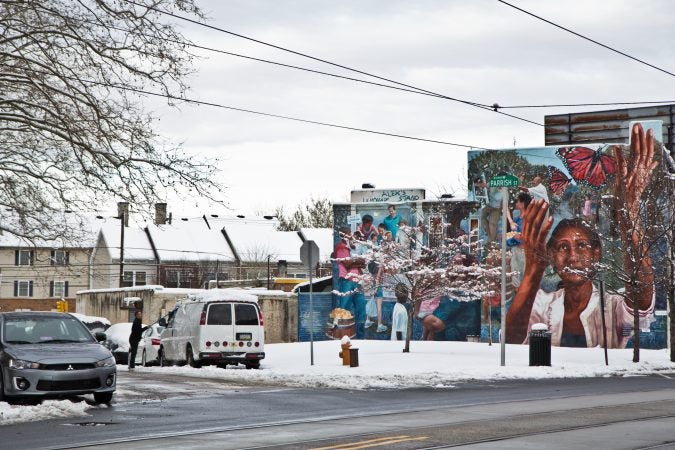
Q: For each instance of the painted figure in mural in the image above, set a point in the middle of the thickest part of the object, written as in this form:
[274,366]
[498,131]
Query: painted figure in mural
[537,190]
[587,210]
[349,268]
[366,229]
[523,200]
[573,312]
[492,211]
[381,229]
[399,319]
[392,220]
[430,313]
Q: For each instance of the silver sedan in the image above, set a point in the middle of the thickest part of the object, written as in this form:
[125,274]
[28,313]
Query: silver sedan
[46,354]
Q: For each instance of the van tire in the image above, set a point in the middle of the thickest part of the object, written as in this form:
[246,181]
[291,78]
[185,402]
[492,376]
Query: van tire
[189,357]
[255,365]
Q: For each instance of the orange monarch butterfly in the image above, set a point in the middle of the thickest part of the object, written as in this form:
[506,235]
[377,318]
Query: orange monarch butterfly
[588,166]
[559,181]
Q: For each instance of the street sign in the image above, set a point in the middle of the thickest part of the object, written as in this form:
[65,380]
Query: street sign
[309,253]
[506,180]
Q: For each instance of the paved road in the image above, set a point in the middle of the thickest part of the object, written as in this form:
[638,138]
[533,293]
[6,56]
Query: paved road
[177,412]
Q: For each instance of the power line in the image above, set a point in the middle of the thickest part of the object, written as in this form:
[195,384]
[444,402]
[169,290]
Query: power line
[250,111]
[586,38]
[658,102]
[305,55]
[359,80]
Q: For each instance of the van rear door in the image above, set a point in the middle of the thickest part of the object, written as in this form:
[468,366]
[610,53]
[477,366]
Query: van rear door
[218,329]
[248,330]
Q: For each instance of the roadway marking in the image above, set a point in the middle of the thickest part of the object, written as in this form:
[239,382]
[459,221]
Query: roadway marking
[373,443]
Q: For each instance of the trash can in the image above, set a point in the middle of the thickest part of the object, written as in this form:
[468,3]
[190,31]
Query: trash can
[353,357]
[540,347]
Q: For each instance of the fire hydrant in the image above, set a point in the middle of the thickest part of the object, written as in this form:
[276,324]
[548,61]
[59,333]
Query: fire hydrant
[345,343]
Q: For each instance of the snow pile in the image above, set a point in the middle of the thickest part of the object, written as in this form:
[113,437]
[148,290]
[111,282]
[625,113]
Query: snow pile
[90,319]
[383,365]
[49,409]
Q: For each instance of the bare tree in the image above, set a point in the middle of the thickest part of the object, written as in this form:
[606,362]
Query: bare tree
[72,130]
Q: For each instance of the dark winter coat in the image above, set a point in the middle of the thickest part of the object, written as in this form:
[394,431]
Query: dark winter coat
[137,329]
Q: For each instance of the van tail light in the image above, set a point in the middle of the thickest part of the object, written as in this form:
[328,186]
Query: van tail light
[208,343]
[154,341]
[260,319]
[257,344]
[202,319]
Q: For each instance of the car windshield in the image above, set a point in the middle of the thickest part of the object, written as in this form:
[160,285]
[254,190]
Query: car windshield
[44,330]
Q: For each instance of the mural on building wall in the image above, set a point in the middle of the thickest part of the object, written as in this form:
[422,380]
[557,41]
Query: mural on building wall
[379,245]
[583,237]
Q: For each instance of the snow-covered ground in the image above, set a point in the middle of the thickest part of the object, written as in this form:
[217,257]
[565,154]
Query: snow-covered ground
[382,365]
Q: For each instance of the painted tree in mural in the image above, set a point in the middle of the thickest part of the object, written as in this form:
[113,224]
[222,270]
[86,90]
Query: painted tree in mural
[73,132]
[445,268]
[640,245]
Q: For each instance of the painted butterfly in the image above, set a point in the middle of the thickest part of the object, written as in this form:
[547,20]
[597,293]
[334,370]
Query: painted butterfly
[559,181]
[588,166]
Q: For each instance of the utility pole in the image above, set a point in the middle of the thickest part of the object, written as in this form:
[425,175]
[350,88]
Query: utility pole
[122,211]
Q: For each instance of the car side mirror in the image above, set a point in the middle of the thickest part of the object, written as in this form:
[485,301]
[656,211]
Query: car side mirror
[162,322]
[100,337]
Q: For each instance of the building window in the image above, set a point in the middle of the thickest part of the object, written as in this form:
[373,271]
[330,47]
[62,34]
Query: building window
[23,258]
[59,258]
[23,288]
[179,278]
[133,278]
[58,289]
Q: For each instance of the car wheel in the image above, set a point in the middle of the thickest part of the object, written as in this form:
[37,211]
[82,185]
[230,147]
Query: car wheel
[189,357]
[144,361]
[103,397]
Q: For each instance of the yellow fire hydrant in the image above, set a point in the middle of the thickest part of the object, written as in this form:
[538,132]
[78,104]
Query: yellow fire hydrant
[345,343]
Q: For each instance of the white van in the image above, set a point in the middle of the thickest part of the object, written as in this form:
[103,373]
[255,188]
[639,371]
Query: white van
[218,327]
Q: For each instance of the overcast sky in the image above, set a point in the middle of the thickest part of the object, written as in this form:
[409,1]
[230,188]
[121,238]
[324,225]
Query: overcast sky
[481,51]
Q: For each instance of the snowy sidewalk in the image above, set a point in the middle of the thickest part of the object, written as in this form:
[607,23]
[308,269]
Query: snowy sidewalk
[382,365]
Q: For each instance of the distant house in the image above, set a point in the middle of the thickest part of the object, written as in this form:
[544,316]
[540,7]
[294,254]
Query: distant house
[174,253]
[35,275]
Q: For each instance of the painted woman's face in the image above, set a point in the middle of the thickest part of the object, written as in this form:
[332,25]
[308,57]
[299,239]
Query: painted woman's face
[573,256]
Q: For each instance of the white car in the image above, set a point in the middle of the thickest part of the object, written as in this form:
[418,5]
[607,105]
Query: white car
[148,347]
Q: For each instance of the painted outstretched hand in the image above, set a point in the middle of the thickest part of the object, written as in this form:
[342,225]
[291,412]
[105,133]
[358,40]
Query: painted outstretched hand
[634,174]
[536,227]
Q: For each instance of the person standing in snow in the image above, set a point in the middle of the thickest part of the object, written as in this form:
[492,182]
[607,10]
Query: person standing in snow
[399,319]
[137,329]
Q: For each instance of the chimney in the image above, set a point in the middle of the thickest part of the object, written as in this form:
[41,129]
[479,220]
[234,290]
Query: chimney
[123,212]
[282,268]
[160,213]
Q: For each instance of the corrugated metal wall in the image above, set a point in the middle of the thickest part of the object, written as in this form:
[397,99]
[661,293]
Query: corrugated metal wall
[606,126]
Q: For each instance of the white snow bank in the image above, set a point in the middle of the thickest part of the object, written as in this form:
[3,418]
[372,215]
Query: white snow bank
[49,409]
[382,365]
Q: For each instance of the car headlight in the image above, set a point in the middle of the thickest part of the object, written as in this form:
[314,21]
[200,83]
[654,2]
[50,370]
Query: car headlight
[108,362]
[21,364]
